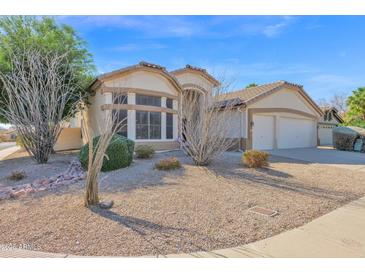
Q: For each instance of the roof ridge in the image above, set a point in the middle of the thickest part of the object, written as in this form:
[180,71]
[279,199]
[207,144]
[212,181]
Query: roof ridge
[267,84]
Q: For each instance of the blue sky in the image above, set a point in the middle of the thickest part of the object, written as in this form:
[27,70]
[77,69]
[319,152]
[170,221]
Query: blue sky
[324,53]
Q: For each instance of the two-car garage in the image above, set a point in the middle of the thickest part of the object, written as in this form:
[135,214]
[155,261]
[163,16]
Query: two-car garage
[278,115]
[271,131]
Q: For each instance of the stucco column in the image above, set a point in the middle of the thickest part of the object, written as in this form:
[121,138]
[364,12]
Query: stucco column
[175,122]
[163,119]
[131,120]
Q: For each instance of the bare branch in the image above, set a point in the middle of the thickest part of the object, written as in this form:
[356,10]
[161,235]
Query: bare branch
[37,90]
[205,124]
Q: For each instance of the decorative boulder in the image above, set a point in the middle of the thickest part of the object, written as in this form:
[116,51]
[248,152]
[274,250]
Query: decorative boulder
[344,138]
[119,153]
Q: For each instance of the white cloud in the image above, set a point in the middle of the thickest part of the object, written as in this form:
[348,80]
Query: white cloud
[275,29]
[186,26]
[138,47]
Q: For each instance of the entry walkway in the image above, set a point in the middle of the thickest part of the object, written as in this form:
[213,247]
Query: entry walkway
[339,233]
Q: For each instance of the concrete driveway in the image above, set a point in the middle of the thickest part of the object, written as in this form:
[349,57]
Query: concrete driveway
[325,155]
[6,145]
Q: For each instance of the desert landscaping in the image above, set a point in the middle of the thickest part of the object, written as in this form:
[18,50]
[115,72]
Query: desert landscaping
[162,212]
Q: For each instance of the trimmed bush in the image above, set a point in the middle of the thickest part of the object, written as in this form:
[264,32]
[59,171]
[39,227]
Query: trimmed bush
[168,163]
[17,175]
[119,153]
[255,158]
[144,151]
[19,141]
[344,138]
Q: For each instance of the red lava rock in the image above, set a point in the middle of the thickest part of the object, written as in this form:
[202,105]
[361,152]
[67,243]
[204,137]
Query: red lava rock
[73,174]
[18,193]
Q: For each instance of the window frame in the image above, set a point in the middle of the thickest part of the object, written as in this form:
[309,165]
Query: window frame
[148,100]
[148,127]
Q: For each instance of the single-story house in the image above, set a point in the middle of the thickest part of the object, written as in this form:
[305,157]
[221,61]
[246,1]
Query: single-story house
[276,115]
[329,120]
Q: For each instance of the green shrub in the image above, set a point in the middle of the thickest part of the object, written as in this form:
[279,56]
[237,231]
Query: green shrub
[19,141]
[17,175]
[144,151]
[255,158]
[119,153]
[344,138]
[168,163]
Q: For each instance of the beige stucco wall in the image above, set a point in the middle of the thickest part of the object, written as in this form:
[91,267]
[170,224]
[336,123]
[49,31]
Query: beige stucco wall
[143,80]
[186,78]
[95,115]
[236,123]
[70,138]
[285,98]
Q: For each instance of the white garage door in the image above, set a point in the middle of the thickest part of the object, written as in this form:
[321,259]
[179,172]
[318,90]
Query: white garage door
[296,133]
[325,135]
[263,132]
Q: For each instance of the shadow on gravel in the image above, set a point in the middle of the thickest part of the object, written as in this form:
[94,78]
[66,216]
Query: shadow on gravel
[274,178]
[140,226]
[150,231]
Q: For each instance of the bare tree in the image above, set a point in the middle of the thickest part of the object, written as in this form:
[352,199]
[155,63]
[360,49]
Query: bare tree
[339,101]
[205,126]
[37,90]
[111,124]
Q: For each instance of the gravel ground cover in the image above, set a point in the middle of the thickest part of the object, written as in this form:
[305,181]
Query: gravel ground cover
[185,210]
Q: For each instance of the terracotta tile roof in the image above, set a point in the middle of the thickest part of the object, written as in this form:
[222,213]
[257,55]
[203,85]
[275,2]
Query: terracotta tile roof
[249,95]
[201,71]
[141,64]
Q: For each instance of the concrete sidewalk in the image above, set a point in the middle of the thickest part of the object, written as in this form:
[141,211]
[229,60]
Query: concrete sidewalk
[339,233]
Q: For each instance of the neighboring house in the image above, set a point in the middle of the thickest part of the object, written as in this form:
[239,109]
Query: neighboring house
[329,120]
[276,115]
[8,135]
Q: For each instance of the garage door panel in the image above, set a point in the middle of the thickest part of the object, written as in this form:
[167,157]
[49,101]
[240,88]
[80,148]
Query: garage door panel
[263,132]
[296,133]
[325,135]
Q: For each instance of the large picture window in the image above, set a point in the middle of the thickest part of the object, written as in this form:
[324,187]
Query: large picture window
[121,115]
[148,100]
[169,125]
[120,98]
[148,125]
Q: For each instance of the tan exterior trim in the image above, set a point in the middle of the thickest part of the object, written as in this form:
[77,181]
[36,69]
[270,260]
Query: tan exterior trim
[137,107]
[124,90]
[252,111]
